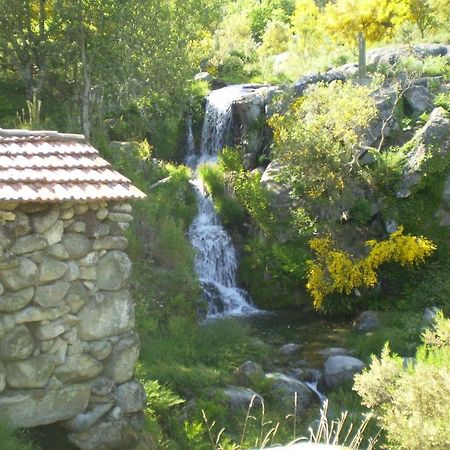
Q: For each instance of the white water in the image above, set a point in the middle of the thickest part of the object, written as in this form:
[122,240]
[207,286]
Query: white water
[215,260]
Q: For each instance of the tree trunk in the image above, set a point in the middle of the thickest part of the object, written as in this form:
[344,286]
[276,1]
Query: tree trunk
[86,88]
[362,66]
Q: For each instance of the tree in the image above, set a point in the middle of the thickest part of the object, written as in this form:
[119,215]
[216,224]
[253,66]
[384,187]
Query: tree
[422,14]
[305,25]
[362,20]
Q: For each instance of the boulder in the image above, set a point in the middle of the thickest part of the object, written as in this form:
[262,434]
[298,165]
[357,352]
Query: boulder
[284,389]
[31,408]
[203,76]
[367,321]
[429,316]
[119,366]
[30,373]
[17,344]
[14,301]
[19,274]
[418,99]
[130,397]
[304,82]
[113,316]
[432,141]
[78,368]
[341,369]
[240,398]
[249,373]
[279,191]
[113,271]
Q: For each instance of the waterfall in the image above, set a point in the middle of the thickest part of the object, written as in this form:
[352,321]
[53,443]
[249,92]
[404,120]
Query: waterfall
[215,260]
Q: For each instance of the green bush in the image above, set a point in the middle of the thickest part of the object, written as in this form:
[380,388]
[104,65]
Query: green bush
[412,397]
[443,100]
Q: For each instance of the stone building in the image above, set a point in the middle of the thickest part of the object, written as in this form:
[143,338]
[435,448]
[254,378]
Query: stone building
[67,342]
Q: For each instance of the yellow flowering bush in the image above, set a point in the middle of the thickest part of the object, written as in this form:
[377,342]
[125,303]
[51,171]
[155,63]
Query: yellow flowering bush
[335,270]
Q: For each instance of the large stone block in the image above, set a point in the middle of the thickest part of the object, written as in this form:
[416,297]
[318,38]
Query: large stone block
[51,270]
[120,365]
[13,301]
[29,243]
[37,407]
[78,368]
[130,397]
[55,233]
[17,344]
[19,274]
[113,271]
[30,373]
[77,245]
[43,221]
[51,295]
[114,315]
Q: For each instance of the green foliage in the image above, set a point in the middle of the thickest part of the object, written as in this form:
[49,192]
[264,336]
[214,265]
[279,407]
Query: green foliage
[434,66]
[11,439]
[404,398]
[226,205]
[315,140]
[160,399]
[443,100]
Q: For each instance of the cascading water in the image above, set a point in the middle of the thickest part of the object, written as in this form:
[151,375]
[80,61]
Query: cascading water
[215,260]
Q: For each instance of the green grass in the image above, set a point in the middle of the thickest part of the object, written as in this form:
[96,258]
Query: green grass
[11,439]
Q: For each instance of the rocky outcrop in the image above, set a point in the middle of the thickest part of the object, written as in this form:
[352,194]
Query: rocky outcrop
[67,341]
[433,140]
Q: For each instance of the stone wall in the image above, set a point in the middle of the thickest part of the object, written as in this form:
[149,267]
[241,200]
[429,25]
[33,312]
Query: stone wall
[67,342]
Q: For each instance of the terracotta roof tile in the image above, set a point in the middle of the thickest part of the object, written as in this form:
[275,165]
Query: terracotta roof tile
[46,166]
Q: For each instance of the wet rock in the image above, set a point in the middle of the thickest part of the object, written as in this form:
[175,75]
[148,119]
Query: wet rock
[113,271]
[114,315]
[17,344]
[31,408]
[289,349]
[130,397]
[78,368]
[19,275]
[341,369]
[285,388]
[249,373]
[14,301]
[31,373]
[367,321]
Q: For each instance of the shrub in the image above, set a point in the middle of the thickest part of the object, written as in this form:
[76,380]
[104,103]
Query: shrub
[336,270]
[415,397]
[443,100]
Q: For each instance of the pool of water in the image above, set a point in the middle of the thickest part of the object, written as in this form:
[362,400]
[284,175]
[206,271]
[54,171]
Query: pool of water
[311,331]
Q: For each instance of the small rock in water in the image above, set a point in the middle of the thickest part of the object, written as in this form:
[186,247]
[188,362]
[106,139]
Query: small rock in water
[289,349]
[333,351]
